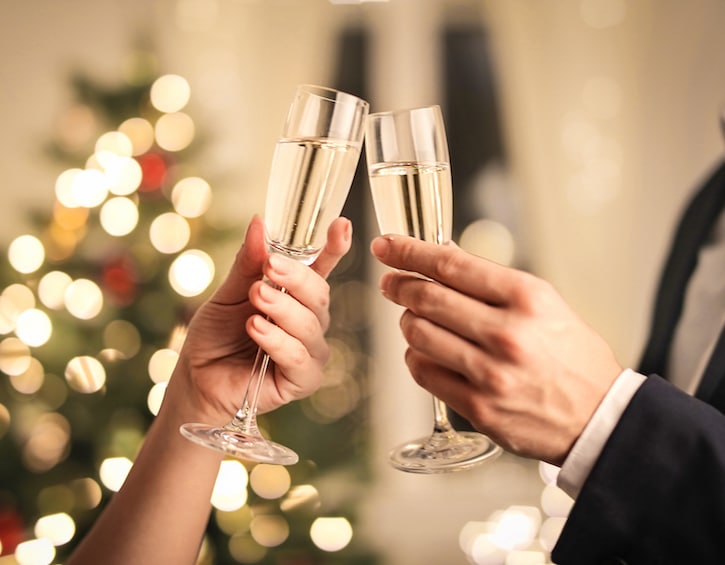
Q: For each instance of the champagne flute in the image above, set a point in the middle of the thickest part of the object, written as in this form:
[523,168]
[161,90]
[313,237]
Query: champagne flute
[412,194]
[312,170]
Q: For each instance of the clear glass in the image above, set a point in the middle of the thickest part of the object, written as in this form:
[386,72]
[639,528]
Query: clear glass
[311,174]
[410,180]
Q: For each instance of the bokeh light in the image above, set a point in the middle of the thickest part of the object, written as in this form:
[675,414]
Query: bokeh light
[230,487]
[155,397]
[87,493]
[26,254]
[140,132]
[19,297]
[52,288]
[489,239]
[191,197]
[64,187]
[14,356]
[550,531]
[555,502]
[30,380]
[124,175]
[7,315]
[89,188]
[35,552]
[48,443]
[244,549]
[161,364]
[83,299]
[191,273]
[234,521]
[119,216]
[33,327]
[113,472]
[85,374]
[334,400]
[331,533]
[59,528]
[170,93]
[301,496]
[269,530]
[270,481]
[517,527]
[169,232]
[174,132]
[521,557]
[111,145]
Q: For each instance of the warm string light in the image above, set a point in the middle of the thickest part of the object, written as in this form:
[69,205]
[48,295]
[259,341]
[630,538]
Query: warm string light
[125,165]
[122,163]
[519,534]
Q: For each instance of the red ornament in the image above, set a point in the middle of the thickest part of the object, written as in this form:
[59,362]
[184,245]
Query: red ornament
[11,530]
[154,170]
[120,281]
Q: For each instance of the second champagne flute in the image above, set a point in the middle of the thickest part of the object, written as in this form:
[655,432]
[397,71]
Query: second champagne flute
[312,170]
[410,179]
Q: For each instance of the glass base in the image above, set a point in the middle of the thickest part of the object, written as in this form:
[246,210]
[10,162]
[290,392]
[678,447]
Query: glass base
[444,452]
[238,444]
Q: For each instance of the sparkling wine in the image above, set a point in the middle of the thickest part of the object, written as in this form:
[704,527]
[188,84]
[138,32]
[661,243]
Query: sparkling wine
[413,199]
[308,185]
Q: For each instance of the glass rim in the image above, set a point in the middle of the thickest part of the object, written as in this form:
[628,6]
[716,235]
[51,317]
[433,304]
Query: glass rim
[331,94]
[399,111]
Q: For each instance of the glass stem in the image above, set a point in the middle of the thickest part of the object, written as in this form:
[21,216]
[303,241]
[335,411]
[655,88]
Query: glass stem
[441,423]
[245,420]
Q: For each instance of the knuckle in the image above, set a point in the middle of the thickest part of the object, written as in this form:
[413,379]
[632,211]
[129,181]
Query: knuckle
[447,267]
[298,354]
[413,330]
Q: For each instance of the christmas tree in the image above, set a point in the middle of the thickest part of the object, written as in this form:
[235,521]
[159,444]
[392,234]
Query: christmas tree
[92,312]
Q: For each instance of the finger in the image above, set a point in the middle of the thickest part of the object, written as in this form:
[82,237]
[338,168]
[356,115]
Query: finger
[302,283]
[299,368]
[292,317]
[246,268]
[449,265]
[339,240]
[455,391]
[443,306]
[449,350]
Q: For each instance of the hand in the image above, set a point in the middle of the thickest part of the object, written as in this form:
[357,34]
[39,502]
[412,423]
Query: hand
[499,346]
[222,340]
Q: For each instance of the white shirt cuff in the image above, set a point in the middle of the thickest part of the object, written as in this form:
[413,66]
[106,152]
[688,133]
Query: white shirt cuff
[588,447]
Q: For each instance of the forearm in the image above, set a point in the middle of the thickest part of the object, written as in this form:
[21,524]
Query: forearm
[160,514]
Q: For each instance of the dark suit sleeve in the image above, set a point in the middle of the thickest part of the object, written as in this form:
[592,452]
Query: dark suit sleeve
[657,492]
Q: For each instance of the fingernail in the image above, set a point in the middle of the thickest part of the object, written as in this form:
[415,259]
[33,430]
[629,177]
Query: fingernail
[260,324]
[266,292]
[279,264]
[380,246]
[383,284]
[348,231]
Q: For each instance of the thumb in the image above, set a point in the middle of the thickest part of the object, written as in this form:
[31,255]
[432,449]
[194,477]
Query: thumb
[247,266]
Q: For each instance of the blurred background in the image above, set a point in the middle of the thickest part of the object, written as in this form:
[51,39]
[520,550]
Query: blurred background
[135,143]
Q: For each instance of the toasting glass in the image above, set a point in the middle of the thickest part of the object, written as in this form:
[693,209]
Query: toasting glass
[312,170]
[410,179]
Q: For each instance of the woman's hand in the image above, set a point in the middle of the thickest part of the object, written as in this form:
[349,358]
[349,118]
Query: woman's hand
[215,363]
